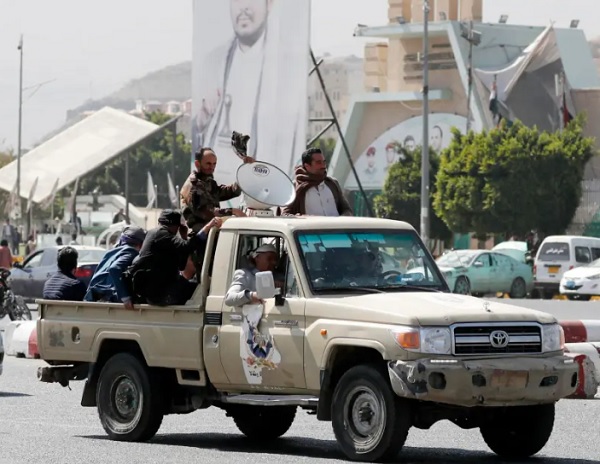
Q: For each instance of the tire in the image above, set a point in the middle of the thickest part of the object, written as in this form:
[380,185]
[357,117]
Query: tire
[19,310]
[519,432]
[462,286]
[124,375]
[518,289]
[263,422]
[370,423]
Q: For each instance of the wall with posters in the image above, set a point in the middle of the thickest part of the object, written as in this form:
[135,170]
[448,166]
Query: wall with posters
[250,75]
[373,163]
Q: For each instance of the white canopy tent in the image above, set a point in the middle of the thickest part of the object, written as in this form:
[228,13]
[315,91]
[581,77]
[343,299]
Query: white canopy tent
[76,151]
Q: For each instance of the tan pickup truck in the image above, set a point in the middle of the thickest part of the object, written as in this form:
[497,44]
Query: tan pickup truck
[364,333]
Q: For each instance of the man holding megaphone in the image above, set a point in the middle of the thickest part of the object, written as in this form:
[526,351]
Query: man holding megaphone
[201,196]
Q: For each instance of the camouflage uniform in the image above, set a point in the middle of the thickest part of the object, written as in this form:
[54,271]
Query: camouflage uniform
[200,196]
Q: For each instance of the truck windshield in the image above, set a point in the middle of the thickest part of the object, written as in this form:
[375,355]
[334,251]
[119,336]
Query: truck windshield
[388,260]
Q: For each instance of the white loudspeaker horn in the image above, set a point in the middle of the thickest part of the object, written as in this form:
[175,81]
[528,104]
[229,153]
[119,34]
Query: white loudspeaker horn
[264,186]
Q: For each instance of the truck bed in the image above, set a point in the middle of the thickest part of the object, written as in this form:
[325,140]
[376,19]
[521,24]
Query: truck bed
[71,332]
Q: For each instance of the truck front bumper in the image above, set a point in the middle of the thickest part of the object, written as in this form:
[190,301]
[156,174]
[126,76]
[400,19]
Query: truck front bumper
[491,382]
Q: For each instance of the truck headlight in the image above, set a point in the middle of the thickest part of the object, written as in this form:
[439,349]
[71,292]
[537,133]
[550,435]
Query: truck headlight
[433,340]
[553,338]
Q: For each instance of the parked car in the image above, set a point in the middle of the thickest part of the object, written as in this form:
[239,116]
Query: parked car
[581,283]
[481,272]
[28,279]
[558,254]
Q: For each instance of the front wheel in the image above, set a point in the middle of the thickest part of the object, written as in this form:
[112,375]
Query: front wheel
[129,399]
[519,432]
[370,423]
[462,286]
[518,289]
[263,422]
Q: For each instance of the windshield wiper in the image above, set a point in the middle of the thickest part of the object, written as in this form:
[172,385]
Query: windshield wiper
[351,289]
[412,287]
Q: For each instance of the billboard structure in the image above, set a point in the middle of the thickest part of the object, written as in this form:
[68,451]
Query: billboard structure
[373,164]
[250,75]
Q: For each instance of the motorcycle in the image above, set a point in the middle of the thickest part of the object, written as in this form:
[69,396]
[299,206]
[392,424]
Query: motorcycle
[10,304]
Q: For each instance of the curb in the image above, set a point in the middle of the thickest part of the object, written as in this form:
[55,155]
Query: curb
[587,356]
[581,331]
[21,339]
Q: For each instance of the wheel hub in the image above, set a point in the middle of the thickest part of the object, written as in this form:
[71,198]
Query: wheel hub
[126,397]
[365,414]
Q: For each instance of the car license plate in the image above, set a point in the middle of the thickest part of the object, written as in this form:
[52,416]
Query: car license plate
[553,269]
[509,379]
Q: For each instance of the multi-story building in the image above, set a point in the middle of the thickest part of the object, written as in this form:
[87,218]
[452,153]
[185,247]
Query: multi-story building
[391,108]
[343,77]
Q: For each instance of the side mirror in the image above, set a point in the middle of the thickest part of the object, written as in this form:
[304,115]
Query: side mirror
[265,285]
[18,265]
[478,264]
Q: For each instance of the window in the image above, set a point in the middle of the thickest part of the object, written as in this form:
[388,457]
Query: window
[483,261]
[595,253]
[34,261]
[583,254]
[554,251]
[337,261]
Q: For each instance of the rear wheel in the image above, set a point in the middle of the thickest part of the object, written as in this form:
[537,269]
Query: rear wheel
[370,423]
[518,289]
[129,399]
[19,311]
[519,432]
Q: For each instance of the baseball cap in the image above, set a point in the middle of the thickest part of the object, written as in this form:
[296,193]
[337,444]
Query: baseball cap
[133,234]
[266,248]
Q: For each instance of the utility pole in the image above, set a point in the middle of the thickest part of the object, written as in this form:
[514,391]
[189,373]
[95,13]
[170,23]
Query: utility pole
[470,39]
[425,149]
[20,48]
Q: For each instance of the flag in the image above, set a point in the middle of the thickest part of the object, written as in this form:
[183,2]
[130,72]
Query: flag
[172,193]
[151,191]
[50,199]
[31,194]
[566,115]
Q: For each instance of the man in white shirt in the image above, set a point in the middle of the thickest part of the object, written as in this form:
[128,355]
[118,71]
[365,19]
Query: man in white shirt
[316,193]
[235,84]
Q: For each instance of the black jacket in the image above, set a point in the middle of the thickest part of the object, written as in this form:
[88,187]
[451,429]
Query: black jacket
[161,258]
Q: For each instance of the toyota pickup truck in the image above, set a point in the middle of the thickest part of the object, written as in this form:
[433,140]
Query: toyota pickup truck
[363,332]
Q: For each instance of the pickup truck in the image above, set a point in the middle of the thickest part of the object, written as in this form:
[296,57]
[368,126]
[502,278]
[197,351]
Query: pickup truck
[376,346]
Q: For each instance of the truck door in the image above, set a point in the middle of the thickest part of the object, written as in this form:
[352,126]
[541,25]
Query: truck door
[263,345]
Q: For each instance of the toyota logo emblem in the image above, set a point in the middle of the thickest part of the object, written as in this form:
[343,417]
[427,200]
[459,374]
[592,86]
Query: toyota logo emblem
[499,339]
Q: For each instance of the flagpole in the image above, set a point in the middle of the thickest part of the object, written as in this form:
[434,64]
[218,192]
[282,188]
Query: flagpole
[425,148]
[20,48]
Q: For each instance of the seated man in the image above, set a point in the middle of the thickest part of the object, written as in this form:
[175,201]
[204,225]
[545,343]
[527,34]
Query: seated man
[243,287]
[63,285]
[156,272]
[108,284]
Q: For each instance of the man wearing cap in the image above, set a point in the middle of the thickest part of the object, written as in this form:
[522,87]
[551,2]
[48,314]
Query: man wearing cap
[201,195]
[242,290]
[156,272]
[108,282]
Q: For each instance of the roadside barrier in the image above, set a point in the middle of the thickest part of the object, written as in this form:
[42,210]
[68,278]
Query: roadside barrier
[587,356]
[581,331]
[20,339]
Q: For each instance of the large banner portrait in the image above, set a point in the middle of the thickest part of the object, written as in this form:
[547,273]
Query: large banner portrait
[373,164]
[250,75]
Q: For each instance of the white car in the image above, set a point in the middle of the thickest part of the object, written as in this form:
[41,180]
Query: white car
[581,283]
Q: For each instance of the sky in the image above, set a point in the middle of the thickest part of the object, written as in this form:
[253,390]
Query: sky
[81,49]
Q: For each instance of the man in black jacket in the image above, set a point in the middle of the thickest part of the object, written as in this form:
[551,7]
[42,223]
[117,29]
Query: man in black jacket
[63,285]
[156,272]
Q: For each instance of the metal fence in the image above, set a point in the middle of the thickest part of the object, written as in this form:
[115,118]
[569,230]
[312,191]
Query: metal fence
[587,216]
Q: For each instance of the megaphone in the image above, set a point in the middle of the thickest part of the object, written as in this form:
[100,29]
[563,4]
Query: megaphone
[264,186]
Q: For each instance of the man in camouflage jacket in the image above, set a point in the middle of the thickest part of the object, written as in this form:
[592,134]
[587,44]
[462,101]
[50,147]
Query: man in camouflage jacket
[201,195]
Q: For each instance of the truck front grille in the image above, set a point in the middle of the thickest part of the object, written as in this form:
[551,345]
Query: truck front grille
[472,339]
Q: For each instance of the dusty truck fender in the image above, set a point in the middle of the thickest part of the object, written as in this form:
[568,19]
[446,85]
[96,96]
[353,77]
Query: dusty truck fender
[101,336]
[355,351]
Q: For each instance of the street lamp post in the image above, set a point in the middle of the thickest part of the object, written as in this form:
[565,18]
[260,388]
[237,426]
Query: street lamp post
[20,48]
[425,149]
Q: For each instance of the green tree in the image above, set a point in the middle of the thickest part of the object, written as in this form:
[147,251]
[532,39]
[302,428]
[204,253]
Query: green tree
[512,179]
[401,195]
[153,156]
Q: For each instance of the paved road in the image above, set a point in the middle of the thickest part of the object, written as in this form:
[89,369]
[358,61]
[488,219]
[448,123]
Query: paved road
[44,423]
